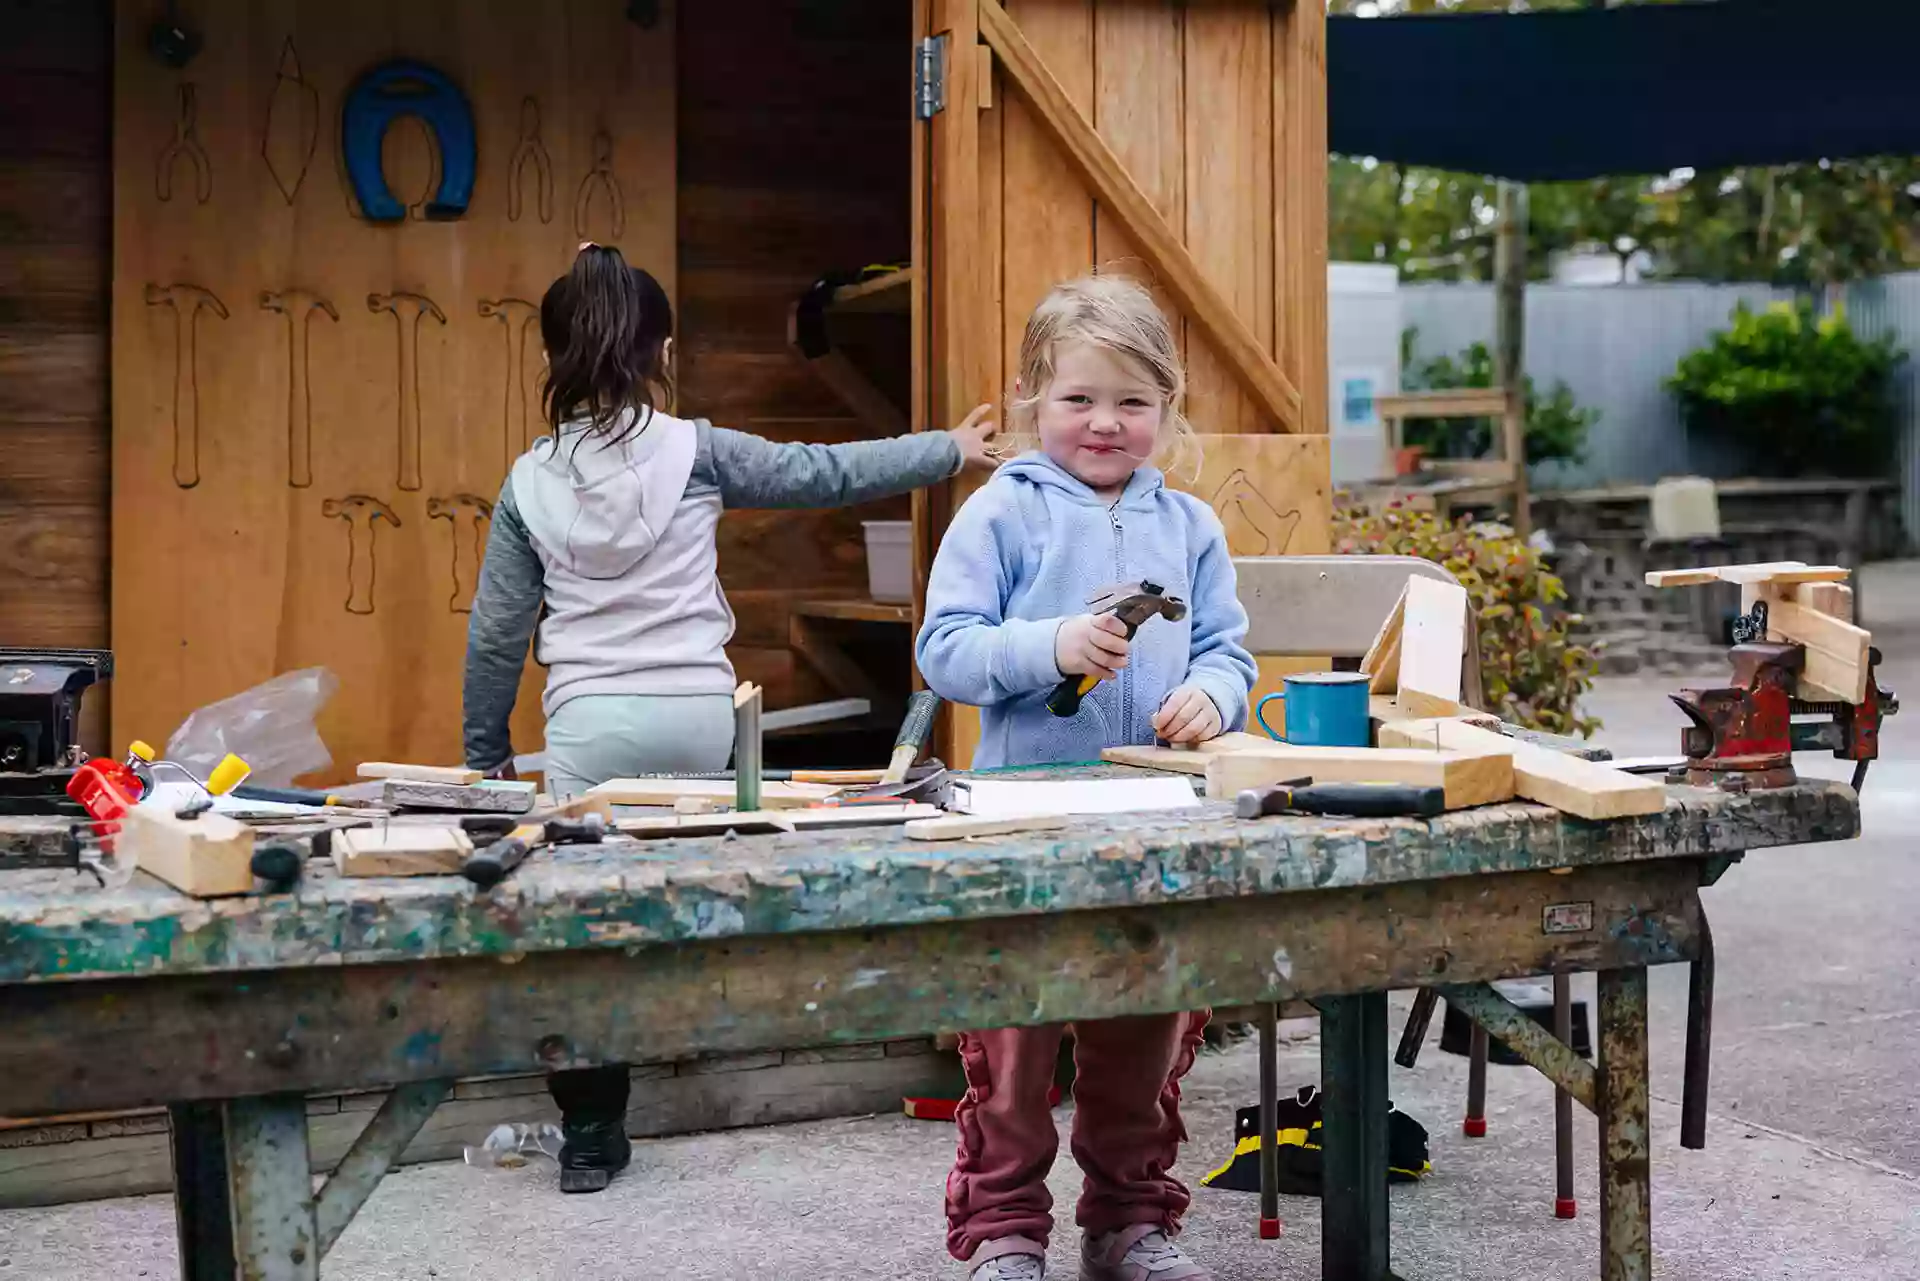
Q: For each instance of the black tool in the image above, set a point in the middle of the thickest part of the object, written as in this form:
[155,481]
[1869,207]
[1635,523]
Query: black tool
[1131,603]
[1354,800]
[40,695]
[296,796]
[489,866]
[279,866]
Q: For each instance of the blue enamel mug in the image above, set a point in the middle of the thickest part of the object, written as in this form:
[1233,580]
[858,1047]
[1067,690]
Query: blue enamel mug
[1324,709]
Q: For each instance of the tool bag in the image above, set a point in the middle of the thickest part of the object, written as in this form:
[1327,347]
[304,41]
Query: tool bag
[1297,1123]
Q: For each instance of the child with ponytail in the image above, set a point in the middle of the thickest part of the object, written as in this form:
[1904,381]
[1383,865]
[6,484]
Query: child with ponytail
[604,536]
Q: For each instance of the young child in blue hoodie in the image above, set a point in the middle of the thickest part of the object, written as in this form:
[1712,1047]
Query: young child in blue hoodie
[1100,389]
[607,528]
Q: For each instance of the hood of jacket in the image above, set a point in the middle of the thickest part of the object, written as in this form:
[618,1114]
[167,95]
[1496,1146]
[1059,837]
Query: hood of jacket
[1036,468]
[596,504]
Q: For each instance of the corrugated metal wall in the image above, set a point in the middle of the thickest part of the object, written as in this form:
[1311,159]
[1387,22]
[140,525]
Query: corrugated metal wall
[1614,347]
[1891,305]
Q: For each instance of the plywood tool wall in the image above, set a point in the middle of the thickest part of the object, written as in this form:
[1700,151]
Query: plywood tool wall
[1216,114]
[312,412]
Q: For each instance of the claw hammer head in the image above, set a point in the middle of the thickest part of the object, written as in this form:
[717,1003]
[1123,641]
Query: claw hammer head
[1134,603]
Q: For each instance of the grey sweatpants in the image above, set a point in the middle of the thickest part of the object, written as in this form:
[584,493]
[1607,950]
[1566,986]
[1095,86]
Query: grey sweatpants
[601,736]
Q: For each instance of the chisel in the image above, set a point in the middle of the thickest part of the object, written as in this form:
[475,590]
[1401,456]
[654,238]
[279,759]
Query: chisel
[1351,800]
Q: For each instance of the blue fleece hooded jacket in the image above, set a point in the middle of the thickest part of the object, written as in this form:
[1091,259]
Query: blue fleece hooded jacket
[1023,555]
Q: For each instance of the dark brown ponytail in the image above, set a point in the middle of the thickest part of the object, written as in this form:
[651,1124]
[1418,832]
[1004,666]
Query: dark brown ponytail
[605,326]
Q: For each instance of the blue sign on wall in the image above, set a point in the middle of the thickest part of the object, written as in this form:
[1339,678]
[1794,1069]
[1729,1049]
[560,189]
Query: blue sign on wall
[385,94]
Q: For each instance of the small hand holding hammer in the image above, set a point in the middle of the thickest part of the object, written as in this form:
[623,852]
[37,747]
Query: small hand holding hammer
[1131,603]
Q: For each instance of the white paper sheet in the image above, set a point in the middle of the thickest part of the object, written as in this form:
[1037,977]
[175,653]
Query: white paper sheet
[1015,798]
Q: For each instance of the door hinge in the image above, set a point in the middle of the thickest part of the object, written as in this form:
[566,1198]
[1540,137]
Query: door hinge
[930,77]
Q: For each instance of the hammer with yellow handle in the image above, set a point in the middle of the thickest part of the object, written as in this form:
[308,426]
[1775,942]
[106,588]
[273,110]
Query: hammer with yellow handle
[1133,604]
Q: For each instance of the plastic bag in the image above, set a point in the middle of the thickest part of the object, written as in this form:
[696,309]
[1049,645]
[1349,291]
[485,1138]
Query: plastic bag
[270,726]
[508,1147]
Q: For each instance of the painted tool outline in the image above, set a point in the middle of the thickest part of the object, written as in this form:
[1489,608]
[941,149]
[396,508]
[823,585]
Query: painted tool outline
[186,371]
[298,306]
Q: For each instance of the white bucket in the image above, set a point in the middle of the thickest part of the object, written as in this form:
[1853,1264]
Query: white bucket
[889,560]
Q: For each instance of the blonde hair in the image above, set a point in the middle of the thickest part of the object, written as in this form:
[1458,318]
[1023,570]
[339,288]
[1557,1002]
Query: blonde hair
[1116,314]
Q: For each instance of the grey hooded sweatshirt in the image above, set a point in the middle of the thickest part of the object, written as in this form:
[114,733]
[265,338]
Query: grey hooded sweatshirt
[615,540]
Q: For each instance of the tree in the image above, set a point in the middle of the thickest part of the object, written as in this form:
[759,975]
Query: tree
[1814,224]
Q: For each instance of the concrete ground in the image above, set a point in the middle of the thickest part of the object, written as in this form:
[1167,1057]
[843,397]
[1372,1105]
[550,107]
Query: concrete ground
[1812,1168]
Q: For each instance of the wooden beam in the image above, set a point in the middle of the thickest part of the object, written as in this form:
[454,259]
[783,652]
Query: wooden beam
[400,849]
[1451,402]
[1581,788]
[1836,651]
[1121,197]
[1470,778]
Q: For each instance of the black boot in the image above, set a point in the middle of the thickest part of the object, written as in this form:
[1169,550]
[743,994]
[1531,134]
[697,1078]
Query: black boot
[593,1123]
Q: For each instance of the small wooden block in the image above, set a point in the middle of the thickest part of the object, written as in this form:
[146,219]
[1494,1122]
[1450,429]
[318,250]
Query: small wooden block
[1470,778]
[400,849]
[1433,639]
[206,856]
[1585,789]
[1382,661]
[419,773]
[960,826]
[668,791]
[487,797]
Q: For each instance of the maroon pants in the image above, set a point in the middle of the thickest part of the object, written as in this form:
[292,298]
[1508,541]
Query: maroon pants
[1126,1128]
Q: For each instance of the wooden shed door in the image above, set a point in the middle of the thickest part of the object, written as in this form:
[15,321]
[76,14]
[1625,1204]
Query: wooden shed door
[1184,143]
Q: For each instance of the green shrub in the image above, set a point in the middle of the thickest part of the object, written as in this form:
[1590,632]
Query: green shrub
[1532,670]
[1800,396]
[1556,426]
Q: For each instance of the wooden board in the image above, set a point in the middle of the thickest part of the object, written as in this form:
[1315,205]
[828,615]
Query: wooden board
[1780,571]
[400,849]
[1470,778]
[354,390]
[1836,650]
[494,797]
[1433,641]
[665,791]
[1585,789]
[206,857]
[1381,662]
[960,827]
[781,820]
[1832,599]
[1185,760]
[419,773]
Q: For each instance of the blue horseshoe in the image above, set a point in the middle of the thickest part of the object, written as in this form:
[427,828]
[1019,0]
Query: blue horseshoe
[382,96]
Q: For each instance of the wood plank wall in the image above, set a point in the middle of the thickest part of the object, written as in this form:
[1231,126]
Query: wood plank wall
[794,161]
[259,549]
[56,242]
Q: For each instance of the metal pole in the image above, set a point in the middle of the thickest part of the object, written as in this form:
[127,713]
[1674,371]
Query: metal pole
[1509,362]
[1564,1205]
[1269,1121]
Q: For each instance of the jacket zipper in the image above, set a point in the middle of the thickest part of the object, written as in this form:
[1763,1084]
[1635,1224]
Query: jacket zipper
[1119,573]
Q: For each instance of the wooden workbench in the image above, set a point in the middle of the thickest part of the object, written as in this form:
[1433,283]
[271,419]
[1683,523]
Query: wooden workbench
[229,1011]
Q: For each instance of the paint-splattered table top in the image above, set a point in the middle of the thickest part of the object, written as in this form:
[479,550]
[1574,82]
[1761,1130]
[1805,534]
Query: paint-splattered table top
[58,924]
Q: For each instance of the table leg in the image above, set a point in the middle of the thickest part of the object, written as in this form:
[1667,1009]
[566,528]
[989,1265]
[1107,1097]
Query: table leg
[1353,1181]
[1269,1121]
[1693,1090]
[275,1234]
[1475,1124]
[197,1136]
[1564,1205]
[1626,1200]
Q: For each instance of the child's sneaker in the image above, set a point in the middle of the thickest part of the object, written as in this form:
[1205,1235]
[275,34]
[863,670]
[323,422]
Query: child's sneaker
[1010,1259]
[1139,1253]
